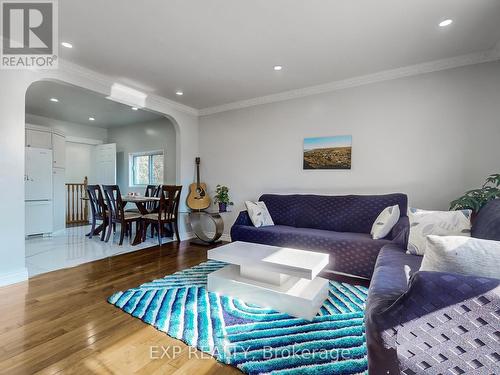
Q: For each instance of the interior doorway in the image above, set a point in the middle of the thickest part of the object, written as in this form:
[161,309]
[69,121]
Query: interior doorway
[75,137]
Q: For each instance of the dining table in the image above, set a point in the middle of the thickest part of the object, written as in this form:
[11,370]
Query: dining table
[140,202]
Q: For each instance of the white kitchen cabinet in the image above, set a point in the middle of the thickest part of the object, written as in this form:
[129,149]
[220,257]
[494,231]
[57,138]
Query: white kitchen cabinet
[58,180]
[59,150]
[38,139]
[38,216]
[38,174]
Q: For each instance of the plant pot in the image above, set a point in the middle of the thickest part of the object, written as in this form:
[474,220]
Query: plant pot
[222,207]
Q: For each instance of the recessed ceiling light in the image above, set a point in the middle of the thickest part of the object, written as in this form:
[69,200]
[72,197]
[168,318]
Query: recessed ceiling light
[67,45]
[91,119]
[277,67]
[179,93]
[134,108]
[445,23]
[55,100]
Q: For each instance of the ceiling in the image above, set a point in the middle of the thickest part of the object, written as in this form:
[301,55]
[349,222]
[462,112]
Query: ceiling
[77,105]
[222,51]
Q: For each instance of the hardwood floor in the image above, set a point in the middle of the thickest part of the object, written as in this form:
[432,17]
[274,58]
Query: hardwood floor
[60,322]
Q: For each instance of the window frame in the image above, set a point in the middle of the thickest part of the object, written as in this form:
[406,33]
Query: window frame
[131,167]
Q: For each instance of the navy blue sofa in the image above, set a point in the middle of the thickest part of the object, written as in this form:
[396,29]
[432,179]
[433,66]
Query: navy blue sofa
[438,323]
[337,225]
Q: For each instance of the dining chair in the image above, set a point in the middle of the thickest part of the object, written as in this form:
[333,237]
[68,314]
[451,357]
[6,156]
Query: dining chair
[98,209]
[168,212]
[117,215]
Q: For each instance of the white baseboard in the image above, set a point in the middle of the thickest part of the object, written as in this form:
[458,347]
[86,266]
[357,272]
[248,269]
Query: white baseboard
[13,277]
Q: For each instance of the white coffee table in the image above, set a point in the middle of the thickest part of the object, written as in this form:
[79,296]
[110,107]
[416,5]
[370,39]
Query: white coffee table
[281,278]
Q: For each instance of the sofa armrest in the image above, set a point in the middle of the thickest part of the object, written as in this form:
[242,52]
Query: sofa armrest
[400,232]
[443,321]
[243,219]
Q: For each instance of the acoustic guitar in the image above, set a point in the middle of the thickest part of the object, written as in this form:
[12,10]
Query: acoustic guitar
[198,199]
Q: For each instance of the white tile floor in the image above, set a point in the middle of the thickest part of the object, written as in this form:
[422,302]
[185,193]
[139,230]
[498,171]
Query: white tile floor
[70,247]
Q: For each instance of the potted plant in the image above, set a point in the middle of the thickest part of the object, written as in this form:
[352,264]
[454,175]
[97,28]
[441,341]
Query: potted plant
[475,199]
[221,197]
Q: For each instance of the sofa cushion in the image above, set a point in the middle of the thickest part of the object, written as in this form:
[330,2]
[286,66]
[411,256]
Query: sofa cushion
[462,255]
[349,213]
[350,253]
[441,223]
[259,214]
[385,222]
[487,223]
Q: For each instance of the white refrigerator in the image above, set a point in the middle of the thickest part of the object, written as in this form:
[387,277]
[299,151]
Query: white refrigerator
[38,191]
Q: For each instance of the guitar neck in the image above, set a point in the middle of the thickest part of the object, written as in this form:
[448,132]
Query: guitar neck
[198,175]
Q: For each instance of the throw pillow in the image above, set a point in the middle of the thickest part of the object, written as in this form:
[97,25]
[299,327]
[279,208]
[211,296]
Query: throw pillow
[385,222]
[259,214]
[463,255]
[440,223]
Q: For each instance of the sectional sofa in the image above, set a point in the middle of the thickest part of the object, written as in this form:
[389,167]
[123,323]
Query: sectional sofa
[416,322]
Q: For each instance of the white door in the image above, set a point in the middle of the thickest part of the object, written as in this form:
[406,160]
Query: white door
[38,139]
[59,149]
[38,174]
[105,164]
[59,200]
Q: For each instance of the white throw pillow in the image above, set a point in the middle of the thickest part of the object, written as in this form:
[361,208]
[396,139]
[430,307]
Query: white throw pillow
[385,222]
[463,255]
[440,223]
[259,214]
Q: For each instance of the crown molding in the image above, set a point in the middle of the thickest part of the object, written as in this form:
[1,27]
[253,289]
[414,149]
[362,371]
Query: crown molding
[386,75]
[105,82]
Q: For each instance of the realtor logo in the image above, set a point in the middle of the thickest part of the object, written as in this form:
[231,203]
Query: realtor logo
[29,34]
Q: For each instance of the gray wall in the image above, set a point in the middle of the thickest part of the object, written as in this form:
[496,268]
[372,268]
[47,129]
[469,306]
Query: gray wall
[149,136]
[431,136]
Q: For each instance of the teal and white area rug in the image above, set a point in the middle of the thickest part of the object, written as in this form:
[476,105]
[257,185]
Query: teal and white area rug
[256,340]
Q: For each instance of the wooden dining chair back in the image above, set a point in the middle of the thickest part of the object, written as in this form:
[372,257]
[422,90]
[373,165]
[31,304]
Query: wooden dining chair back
[114,201]
[169,202]
[152,191]
[98,209]
[168,211]
[117,213]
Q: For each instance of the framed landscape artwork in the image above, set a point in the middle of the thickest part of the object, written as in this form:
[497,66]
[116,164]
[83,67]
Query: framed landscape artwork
[328,152]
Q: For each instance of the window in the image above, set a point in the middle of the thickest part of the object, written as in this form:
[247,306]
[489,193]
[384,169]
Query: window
[146,168]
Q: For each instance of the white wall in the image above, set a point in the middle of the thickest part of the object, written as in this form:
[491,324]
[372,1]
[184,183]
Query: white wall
[150,136]
[13,87]
[12,91]
[431,136]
